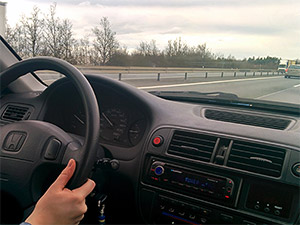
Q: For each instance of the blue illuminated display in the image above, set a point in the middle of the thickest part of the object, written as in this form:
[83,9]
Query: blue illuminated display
[191,181]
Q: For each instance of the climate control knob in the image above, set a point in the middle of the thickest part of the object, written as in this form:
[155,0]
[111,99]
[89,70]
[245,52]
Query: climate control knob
[159,170]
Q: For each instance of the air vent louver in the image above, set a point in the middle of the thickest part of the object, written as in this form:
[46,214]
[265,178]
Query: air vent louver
[253,120]
[192,145]
[256,158]
[15,113]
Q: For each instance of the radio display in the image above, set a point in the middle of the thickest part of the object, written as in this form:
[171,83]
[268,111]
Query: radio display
[191,181]
[201,182]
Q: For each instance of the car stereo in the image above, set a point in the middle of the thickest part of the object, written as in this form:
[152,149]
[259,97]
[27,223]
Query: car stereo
[197,183]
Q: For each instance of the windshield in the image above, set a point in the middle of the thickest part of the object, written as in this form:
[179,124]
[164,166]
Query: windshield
[229,46]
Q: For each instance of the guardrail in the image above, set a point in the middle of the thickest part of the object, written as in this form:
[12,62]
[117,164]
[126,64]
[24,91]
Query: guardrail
[185,75]
[137,69]
[149,73]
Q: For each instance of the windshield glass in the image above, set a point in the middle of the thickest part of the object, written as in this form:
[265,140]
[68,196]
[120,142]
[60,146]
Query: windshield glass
[229,46]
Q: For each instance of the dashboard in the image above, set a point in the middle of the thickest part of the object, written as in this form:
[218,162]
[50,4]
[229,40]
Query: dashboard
[186,163]
[122,122]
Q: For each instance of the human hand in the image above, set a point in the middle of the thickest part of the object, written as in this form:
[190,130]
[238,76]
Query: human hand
[60,205]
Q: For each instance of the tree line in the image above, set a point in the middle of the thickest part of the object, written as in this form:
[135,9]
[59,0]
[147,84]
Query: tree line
[42,34]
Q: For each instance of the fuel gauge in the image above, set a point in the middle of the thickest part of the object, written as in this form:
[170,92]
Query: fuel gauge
[136,131]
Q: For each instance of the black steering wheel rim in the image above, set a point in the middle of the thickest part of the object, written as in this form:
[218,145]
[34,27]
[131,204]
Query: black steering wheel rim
[86,156]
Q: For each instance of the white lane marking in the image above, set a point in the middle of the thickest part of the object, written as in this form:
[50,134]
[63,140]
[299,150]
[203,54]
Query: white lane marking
[203,83]
[277,92]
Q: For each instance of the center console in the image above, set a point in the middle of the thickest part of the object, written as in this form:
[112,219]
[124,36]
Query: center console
[177,190]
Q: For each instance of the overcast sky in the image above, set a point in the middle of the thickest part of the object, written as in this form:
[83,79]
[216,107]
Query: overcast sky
[242,28]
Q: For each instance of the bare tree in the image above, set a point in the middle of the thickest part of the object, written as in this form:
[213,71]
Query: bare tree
[11,36]
[82,51]
[105,43]
[53,33]
[148,49]
[176,48]
[143,49]
[169,51]
[153,48]
[67,40]
[16,37]
[33,27]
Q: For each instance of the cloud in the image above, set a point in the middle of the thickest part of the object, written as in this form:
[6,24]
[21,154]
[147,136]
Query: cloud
[252,27]
[173,3]
[86,3]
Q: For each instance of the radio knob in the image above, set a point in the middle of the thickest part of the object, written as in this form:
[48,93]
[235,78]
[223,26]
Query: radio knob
[159,170]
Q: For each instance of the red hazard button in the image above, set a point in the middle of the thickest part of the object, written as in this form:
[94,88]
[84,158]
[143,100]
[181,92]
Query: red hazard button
[157,141]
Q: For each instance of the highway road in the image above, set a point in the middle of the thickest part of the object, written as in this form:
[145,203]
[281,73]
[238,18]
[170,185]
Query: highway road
[258,86]
[274,88]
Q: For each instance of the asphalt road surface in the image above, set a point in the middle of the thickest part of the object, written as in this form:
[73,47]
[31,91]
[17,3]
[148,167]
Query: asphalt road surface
[254,86]
[274,88]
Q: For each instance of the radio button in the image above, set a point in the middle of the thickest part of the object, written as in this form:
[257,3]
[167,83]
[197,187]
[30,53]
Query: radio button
[162,206]
[192,216]
[277,212]
[203,220]
[171,210]
[159,170]
[267,209]
[205,211]
[181,213]
[246,222]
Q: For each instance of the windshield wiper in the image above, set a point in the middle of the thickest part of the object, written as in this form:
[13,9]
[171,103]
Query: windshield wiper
[223,98]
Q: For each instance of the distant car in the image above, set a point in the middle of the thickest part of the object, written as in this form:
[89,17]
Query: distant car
[282,68]
[293,71]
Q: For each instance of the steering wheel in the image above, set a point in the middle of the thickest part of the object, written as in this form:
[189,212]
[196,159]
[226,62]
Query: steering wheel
[28,147]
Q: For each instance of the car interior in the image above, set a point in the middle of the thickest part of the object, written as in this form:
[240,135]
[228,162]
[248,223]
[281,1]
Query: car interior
[155,159]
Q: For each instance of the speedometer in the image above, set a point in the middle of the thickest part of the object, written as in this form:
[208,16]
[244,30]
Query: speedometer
[113,125]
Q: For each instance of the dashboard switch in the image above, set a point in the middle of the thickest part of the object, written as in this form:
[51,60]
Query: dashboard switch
[157,141]
[296,169]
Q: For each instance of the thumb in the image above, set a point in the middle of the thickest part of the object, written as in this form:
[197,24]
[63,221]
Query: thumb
[65,175]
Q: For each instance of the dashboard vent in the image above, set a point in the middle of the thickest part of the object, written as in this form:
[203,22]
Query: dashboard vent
[256,158]
[192,145]
[240,118]
[15,113]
